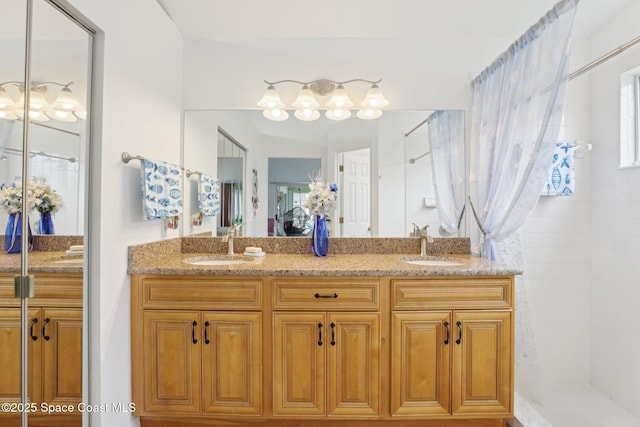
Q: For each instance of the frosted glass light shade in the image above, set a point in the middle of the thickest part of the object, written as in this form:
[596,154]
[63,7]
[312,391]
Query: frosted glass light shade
[369,114]
[5,98]
[66,100]
[38,116]
[37,100]
[374,99]
[62,115]
[340,98]
[307,114]
[7,115]
[276,114]
[338,114]
[271,99]
[305,99]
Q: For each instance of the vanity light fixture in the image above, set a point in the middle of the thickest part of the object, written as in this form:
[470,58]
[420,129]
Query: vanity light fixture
[65,106]
[310,98]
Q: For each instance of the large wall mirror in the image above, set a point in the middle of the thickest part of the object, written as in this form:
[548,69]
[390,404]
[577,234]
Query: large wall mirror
[58,129]
[388,161]
[55,147]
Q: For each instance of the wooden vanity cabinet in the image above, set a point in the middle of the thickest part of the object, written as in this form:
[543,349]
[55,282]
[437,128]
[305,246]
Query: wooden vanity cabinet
[55,347]
[285,350]
[326,347]
[452,362]
[196,346]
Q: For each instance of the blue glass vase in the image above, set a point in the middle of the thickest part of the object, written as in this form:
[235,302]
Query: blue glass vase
[13,234]
[45,226]
[320,236]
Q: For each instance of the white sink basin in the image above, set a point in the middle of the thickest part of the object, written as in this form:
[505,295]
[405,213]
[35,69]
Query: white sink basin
[431,262]
[217,260]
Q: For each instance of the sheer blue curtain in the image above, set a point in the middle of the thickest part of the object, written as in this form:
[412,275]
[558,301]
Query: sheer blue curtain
[515,120]
[446,139]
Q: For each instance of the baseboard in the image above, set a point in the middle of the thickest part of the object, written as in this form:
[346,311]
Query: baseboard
[513,422]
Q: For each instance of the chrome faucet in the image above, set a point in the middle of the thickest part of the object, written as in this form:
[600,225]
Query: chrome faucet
[228,238]
[424,239]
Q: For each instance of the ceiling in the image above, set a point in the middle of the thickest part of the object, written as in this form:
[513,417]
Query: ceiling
[443,32]
[242,20]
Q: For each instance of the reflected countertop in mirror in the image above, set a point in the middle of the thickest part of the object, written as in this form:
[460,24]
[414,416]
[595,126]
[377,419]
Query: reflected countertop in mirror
[49,254]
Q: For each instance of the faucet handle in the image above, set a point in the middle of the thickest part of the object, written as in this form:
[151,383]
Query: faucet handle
[424,232]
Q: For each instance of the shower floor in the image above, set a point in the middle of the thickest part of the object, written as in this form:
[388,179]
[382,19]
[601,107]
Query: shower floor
[574,407]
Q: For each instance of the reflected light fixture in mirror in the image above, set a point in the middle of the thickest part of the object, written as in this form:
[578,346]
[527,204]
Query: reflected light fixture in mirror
[338,106]
[64,108]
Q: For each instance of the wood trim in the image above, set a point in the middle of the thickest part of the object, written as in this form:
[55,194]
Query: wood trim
[199,422]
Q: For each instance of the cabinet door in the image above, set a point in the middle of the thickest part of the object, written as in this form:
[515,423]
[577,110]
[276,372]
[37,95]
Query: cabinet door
[420,363]
[231,363]
[172,361]
[482,357]
[299,353]
[354,364]
[62,356]
[10,356]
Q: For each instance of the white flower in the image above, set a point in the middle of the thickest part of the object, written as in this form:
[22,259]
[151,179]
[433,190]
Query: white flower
[321,198]
[40,196]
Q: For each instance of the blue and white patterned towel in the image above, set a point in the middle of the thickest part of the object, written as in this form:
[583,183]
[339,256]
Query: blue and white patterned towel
[208,195]
[561,181]
[161,189]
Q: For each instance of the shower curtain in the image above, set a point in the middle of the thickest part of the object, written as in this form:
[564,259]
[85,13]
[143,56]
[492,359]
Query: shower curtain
[446,139]
[515,119]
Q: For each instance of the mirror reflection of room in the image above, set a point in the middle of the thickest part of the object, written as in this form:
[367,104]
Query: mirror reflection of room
[231,160]
[396,194]
[289,180]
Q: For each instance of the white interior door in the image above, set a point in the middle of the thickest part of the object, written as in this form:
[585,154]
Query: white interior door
[355,192]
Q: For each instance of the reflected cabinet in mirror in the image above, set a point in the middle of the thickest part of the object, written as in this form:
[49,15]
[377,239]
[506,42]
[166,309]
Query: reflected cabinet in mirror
[392,172]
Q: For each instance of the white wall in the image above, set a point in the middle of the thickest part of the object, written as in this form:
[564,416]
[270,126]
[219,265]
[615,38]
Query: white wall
[615,298]
[138,74]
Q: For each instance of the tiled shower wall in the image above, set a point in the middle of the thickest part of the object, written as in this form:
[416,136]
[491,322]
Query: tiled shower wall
[615,237]
[582,253]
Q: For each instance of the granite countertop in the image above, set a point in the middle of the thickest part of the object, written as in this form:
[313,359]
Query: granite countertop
[43,261]
[333,264]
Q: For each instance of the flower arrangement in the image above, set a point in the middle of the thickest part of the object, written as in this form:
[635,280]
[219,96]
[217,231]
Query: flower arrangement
[40,196]
[322,198]
[45,198]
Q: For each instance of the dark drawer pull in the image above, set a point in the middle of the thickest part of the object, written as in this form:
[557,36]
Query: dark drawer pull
[334,296]
[333,333]
[206,339]
[33,322]
[193,332]
[44,326]
[459,325]
[319,333]
[446,325]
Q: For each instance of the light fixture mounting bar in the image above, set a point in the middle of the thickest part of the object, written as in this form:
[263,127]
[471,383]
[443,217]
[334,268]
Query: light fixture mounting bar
[323,80]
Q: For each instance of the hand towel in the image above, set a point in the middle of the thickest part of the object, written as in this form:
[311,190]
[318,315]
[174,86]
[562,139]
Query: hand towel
[208,195]
[161,189]
[561,181]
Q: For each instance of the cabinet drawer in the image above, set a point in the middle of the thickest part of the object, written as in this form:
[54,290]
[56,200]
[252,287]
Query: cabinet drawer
[452,293]
[51,289]
[204,294]
[326,293]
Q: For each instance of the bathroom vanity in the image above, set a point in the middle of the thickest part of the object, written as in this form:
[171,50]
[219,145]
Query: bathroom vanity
[292,339]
